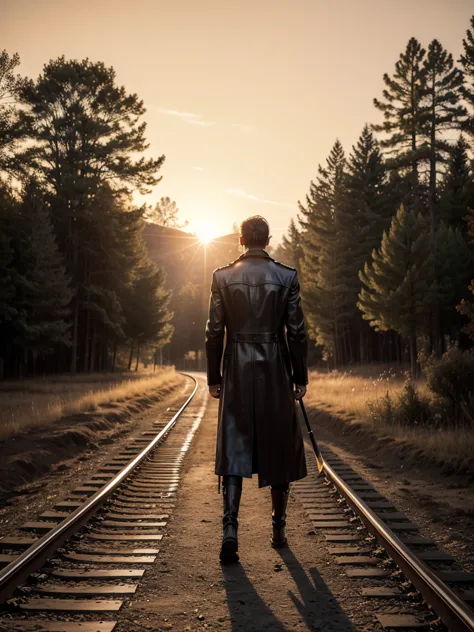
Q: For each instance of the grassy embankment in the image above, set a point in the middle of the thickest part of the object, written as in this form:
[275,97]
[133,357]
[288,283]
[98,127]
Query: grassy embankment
[37,404]
[352,397]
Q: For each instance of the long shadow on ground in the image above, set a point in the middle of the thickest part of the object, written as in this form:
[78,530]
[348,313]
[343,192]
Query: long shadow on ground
[247,609]
[315,606]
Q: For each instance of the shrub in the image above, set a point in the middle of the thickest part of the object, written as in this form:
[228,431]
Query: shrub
[453,375]
[410,410]
[381,410]
[452,379]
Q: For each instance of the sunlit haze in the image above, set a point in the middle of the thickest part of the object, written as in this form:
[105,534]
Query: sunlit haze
[204,228]
[244,99]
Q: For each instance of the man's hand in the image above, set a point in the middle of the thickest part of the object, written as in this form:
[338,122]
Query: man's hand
[215,391]
[300,391]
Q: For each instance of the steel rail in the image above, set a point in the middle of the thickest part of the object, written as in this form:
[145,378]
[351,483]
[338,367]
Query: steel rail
[457,616]
[34,556]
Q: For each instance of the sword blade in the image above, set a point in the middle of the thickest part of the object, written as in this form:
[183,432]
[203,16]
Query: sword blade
[314,443]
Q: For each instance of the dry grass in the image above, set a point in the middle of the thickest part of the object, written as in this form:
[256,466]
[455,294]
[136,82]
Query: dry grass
[29,404]
[347,396]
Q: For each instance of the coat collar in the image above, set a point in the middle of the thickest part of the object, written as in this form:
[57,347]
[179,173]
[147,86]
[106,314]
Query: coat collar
[255,252]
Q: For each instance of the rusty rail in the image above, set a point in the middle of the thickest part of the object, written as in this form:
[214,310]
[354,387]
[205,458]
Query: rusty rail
[457,616]
[34,556]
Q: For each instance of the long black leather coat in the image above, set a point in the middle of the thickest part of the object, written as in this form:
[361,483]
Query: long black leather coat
[255,305]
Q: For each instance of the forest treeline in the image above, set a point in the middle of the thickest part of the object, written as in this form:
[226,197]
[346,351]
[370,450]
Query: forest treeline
[75,277]
[383,246]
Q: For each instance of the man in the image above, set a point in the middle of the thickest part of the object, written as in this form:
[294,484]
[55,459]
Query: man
[255,302]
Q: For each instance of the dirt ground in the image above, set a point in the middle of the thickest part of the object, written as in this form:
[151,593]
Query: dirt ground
[299,589]
[32,454]
[32,499]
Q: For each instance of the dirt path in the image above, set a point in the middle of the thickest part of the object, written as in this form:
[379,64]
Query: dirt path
[299,589]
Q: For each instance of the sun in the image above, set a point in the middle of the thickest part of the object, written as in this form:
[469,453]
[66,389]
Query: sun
[204,230]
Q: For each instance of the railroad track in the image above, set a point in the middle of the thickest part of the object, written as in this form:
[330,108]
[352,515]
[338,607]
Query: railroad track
[80,561]
[74,568]
[368,537]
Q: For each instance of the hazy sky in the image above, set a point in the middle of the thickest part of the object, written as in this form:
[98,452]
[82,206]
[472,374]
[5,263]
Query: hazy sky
[244,98]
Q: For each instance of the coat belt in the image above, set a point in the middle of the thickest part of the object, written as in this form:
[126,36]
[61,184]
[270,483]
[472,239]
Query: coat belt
[256,337]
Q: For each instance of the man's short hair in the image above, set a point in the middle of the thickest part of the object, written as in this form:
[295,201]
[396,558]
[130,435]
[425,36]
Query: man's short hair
[255,231]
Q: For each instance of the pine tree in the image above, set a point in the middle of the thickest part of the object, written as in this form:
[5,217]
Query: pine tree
[323,264]
[467,61]
[290,251]
[397,290]
[165,213]
[457,188]
[454,264]
[164,335]
[10,133]
[104,322]
[443,113]
[114,250]
[146,312]
[85,131]
[404,115]
[7,289]
[466,307]
[371,199]
[188,320]
[7,286]
[42,288]
[369,205]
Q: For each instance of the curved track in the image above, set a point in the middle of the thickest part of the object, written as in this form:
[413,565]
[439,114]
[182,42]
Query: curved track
[122,503]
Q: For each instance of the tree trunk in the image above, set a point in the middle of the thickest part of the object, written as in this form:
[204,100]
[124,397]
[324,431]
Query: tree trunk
[93,350]
[130,358]
[105,355]
[433,183]
[75,324]
[114,357]
[138,356]
[23,363]
[87,342]
[344,347]
[413,355]
[350,346]
[393,347]
[335,343]
[76,299]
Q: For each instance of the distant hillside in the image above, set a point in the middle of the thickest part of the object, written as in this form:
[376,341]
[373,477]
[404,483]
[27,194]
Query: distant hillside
[185,259]
[182,255]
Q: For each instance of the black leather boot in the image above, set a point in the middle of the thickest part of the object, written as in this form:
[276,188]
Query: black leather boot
[279,503]
[231,491]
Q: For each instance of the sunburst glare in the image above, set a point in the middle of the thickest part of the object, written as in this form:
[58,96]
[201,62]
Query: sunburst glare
[205,230]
